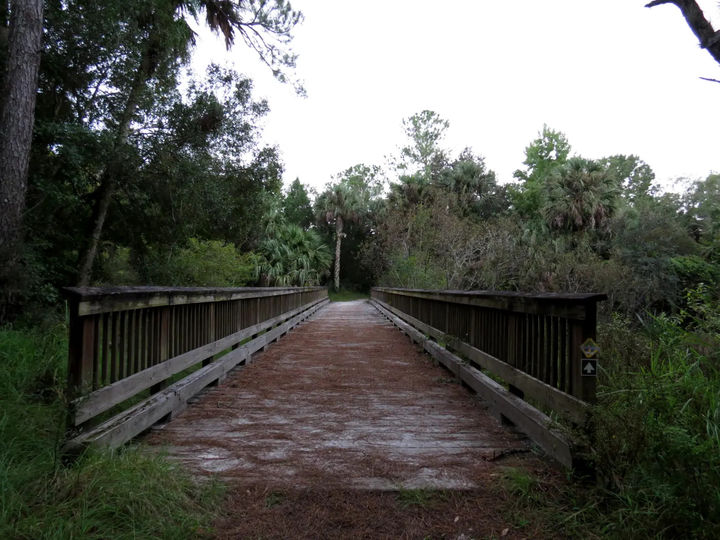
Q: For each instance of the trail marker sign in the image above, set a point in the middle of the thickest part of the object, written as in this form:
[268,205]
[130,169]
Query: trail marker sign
[589,348]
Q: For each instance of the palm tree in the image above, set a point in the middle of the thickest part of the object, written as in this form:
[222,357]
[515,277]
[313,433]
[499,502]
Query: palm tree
[581,196]
[293,256]
[338,204]
[348,200]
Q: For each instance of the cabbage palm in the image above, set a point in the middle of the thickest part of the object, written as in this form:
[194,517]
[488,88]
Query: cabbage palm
[338,204]
[293,256]
[581,196]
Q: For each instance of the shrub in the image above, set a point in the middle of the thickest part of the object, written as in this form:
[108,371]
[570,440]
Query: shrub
[414,272]
[202,263]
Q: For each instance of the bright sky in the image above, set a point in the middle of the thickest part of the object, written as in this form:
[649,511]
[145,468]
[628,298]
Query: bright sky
[614,76]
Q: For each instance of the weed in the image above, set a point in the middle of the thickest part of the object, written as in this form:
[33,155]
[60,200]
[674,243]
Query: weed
[418,497]
[520,483]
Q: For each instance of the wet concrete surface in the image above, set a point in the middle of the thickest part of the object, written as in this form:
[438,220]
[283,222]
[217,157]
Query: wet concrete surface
[343,401]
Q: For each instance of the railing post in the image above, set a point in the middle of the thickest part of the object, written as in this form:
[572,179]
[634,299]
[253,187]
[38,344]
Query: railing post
[80,352]
[583,384]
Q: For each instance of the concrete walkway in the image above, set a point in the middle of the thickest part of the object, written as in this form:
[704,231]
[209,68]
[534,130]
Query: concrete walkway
[345,400]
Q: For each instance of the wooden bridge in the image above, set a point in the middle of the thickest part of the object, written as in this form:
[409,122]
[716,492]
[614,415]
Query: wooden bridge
[344,399]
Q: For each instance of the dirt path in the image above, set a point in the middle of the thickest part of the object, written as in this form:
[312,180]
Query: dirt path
[345,413]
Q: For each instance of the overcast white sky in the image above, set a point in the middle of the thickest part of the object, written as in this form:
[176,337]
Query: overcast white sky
[614,76]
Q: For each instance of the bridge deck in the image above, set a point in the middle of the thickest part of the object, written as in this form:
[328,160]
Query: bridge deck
[345,400]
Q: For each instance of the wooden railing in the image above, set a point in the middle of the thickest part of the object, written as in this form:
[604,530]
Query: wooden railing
[532,341]
[127,345]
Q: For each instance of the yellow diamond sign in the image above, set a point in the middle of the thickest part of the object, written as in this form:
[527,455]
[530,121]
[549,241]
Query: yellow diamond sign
[589,348]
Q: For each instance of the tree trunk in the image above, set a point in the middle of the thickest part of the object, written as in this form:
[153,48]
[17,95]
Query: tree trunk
[113,168]
[100,210]
[338,241]
[17,115]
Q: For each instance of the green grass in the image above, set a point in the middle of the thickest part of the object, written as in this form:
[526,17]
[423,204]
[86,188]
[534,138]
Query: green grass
[656,444]
[127,493]
[344,295]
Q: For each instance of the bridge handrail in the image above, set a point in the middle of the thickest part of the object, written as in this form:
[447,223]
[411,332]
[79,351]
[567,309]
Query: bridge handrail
[125,340]
[531,341]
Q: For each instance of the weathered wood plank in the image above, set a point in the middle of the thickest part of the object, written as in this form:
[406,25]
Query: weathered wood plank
[123,427]
[104,398]
[536,425]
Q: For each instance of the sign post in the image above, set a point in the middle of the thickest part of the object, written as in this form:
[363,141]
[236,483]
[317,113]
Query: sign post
[583,354]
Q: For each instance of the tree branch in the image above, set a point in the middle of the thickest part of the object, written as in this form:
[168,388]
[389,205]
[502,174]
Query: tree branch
[702,28]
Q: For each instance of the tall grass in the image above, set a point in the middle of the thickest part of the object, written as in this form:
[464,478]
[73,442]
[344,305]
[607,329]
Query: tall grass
[121,494]
[656,444]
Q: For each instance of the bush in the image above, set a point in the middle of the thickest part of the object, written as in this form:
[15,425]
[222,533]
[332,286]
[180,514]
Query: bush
[694,270]
[414,272]
[203,263]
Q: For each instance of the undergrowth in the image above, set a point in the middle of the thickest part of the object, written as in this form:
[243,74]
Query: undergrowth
[656,447]
[122,494]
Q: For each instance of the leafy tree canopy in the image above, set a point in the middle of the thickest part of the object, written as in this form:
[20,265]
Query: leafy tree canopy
[423,155]
[297,208]
[544,155]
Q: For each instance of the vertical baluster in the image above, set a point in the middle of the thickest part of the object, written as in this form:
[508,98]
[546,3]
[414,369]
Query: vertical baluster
[564,364]
[95,340]
[186,328]
[177,316]
[511,339]
[540,347]
[525,360]
[536,346]
[194,325]
[155,337]
[134,334]
[150,337]
[142,338]
[114,354]
[104,377]
[553,375]
[147,337]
